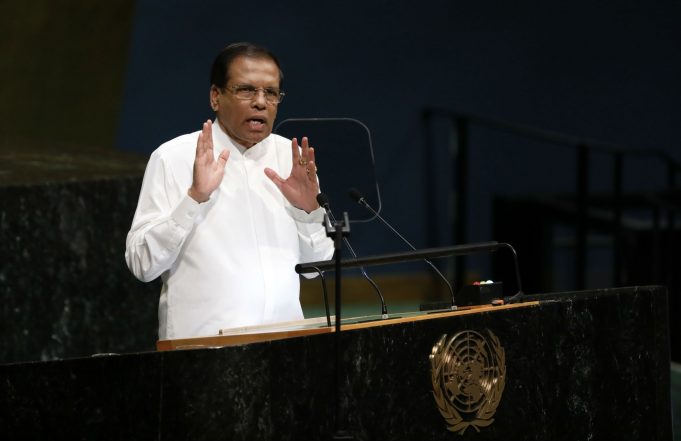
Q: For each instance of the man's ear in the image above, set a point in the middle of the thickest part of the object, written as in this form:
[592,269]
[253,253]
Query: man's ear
[214,98]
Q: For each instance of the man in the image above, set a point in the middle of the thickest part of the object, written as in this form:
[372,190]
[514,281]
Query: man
[216,220]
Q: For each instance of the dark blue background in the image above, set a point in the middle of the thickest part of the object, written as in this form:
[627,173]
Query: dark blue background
[603,70]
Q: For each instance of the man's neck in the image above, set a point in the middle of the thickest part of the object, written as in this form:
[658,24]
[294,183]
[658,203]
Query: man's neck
[241,147]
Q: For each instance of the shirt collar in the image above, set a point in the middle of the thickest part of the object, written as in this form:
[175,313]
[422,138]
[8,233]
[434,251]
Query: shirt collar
[223,141]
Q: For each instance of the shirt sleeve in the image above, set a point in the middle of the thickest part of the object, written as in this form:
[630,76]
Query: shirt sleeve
[314,244]
[164,218]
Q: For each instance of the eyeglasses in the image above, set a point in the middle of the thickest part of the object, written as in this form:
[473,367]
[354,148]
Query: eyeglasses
[248,92]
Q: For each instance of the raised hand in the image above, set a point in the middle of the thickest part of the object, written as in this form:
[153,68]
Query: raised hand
[208,172]
[301,187]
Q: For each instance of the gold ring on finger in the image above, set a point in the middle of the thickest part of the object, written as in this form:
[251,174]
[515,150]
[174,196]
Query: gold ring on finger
[302,161]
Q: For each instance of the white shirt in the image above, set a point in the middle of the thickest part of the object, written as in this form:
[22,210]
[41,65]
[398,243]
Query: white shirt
[227,262]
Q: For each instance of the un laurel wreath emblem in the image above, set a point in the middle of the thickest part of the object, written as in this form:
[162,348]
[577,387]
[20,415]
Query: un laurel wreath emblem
[468,372]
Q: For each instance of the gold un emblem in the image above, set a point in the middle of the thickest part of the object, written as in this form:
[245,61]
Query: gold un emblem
[468,372]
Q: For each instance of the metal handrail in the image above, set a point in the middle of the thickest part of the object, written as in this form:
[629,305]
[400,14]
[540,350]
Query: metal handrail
[553,137]
[583,147]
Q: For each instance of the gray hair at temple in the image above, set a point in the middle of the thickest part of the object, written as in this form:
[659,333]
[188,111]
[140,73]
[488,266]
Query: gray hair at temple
[220,71]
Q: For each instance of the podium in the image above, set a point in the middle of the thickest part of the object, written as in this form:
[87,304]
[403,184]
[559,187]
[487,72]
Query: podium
[580,365]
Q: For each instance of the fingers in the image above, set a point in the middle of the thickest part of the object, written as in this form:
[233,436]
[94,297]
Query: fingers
[307,154]
[306,147]
[295,152]
[222,159]
[207,132]
[310,155]
[304,160]
[311,167]
[303,153]
[311,170]
[205,141]
[274,177]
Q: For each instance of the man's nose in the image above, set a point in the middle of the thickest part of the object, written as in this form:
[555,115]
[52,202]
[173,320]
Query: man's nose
[259,101]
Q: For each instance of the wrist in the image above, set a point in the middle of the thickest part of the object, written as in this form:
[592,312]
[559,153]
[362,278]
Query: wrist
[197,196]
[310,210]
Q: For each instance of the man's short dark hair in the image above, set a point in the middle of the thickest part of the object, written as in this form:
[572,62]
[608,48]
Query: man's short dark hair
[220,71]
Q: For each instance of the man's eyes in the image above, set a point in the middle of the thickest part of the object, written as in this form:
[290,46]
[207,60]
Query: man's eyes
[252,90]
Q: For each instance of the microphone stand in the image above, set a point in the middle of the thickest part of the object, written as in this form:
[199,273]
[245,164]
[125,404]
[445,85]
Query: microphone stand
[337,231]
[323,201]
[357,197]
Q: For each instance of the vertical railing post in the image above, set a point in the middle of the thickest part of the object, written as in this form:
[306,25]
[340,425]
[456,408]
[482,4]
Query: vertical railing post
[618,238]
[431,183]
[668,258]
[460,185]
[581,221]
[656,249]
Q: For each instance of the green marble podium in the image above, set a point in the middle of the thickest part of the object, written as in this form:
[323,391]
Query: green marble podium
[582,365]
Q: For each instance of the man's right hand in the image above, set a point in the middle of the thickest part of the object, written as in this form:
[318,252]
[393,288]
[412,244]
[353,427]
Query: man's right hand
[208,172]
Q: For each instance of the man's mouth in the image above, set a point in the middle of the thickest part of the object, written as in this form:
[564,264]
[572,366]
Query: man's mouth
[256,123]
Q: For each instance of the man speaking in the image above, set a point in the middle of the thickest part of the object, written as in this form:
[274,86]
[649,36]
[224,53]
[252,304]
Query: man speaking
[225,213]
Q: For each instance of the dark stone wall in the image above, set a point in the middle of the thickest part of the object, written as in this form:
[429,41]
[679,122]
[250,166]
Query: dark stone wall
[64,287]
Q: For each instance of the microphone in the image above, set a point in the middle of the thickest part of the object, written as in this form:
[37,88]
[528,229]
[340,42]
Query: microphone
[323,201]
[357,196]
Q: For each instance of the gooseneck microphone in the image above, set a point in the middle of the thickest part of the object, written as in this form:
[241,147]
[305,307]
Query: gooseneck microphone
[357,196]
[323,201]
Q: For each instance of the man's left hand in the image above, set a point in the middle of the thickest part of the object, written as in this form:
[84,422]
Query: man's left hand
[301,187]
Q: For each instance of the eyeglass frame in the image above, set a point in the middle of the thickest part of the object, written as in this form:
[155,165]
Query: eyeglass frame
[254,90]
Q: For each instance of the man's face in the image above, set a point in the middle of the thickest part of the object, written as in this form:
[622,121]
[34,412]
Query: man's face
[247,121]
